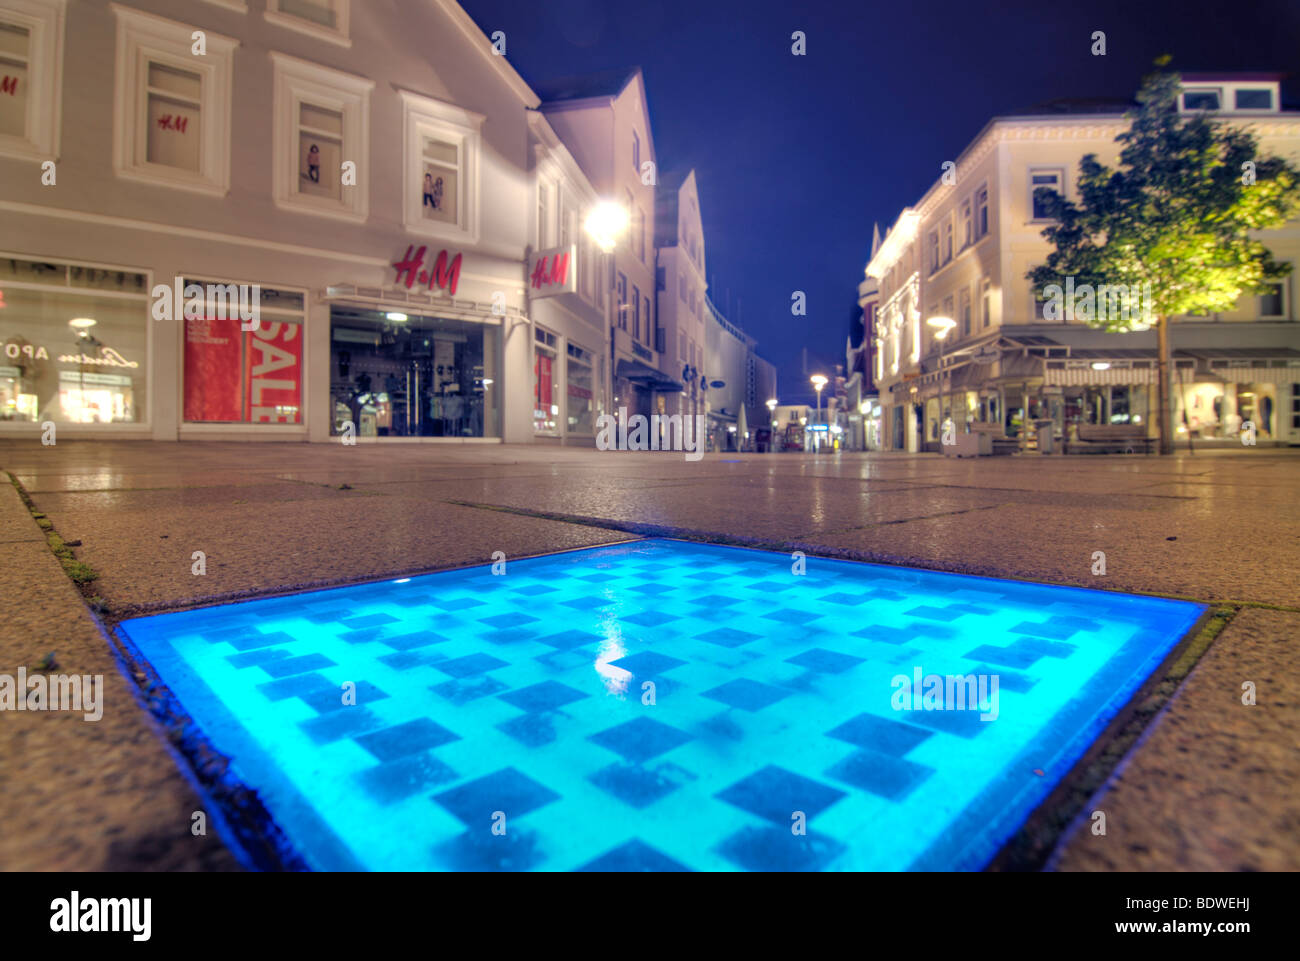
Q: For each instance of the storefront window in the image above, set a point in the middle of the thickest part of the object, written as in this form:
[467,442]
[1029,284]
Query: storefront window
[546,394]
[235,376]
[72,353]
[581,391]
[394,375]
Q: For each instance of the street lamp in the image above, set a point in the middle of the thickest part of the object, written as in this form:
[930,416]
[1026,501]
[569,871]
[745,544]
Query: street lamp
[605,224]
[942,327]
[818,381]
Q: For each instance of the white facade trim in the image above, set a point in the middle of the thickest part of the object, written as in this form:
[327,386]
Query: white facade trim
[297,82]
[44,21]
[339,34]
[426,117]
[143,38]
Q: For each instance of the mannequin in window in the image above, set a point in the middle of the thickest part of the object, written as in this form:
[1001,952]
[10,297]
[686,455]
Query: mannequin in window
[313,164]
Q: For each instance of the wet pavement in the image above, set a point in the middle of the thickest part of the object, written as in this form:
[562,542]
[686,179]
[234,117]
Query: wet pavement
[1212,785]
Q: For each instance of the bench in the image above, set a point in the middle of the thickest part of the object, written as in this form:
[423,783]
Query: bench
[1111,439]
[998,442]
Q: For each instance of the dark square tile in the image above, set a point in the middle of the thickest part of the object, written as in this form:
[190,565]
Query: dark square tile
[965,724]
[652,589]
[533,590]
[824,661]
[880,734]
[406,660]
[530,730]
[1004,656]
[587,603]
[326,616]
[775,794]
[479,850]
[398,780]
[296,665]
[260,656]
[470,665]
[391,743]
[340,724]
[409,642]
[451,604]
[718,600]
[1053,629]
[546,696]
[633,784]
[884,775]
[332,700]
[469,689]
[934,613]
[649,618]
[298,685]
[727,637]
[504,621]
[746,694]
[506,790]
[1039,645]
[849,600]
[771,848]
[1007,679]
[646,663]
[368,620]
[634,856]
[790,615]
[251,640]
[640,739]
[567,640]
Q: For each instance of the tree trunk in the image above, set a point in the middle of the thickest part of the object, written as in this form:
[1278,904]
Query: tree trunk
[1164,365]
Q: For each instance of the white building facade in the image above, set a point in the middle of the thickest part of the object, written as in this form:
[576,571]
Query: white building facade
[962,252]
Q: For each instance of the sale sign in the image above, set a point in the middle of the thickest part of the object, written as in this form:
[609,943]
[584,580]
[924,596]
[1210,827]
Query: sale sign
[274,373]
[213,370]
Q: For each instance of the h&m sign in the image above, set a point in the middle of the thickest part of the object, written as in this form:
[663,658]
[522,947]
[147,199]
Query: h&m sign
[444,272]
[552,272]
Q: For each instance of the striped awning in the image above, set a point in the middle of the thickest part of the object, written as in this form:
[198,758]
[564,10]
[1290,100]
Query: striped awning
[1257,375]
[1088,377]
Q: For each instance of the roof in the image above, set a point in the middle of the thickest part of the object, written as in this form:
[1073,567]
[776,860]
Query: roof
[605,83]
[1078,105]
[667,193]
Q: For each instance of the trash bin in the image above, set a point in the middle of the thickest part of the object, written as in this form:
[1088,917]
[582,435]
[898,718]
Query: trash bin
[1044,430]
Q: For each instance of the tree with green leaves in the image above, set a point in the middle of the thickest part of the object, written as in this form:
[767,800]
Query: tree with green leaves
[1178,218]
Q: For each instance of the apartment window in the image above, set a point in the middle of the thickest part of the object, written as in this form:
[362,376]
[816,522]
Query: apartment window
[321,121]
[681,288]
[947,311]
[31,68]
[640,234]
[172,108]
[636,312]
[692,301]
[947,240]
[543,215]
[986,316]
[636,152]
[934,251]
[967,226]
[567,225]
[1201,99]
[649,322]
[981,212]
[322,19]
[442,151]
[963,311]
[1273,305]
[622,301]
[1254,99]
[1044,180]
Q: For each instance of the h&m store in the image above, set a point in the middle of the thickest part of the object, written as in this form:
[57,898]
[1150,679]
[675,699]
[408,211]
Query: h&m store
[430,343]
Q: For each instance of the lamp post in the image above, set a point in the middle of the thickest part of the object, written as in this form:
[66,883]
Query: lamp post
[771,415]
[818,381]
[942,327]
[605,224]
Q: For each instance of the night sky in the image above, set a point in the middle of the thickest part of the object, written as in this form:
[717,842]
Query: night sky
[796,157]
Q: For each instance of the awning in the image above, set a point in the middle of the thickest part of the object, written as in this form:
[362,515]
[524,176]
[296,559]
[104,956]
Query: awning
[643,375]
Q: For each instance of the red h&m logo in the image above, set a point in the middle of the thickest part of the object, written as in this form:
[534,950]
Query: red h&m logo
[9,85]
[168,122]
[557,274]
[444,274]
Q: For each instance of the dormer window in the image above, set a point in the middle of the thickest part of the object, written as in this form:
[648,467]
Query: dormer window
[1254,98]
[1194,100]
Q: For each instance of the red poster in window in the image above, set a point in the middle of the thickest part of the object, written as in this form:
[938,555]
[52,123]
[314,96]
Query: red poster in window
[543,372]
[214,370]
[273,372]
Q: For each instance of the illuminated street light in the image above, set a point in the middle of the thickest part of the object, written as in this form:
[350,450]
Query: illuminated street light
[606,223]
[818,381]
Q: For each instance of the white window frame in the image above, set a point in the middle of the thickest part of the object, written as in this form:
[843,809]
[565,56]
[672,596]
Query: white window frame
[141,38]
[338,35]
[1182,99]
[1270,89]
[43,20]
[988,225]
[1285,285]
[299,81]
[1059,174]
[968,222]
[426,117]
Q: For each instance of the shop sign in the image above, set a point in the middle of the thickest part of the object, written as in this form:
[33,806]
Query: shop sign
[986,355]
[108,357]
[31,351]
[443,272]
[643,352]
[553,271]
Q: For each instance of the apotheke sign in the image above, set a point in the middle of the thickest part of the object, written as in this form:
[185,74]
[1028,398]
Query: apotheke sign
[553,271]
